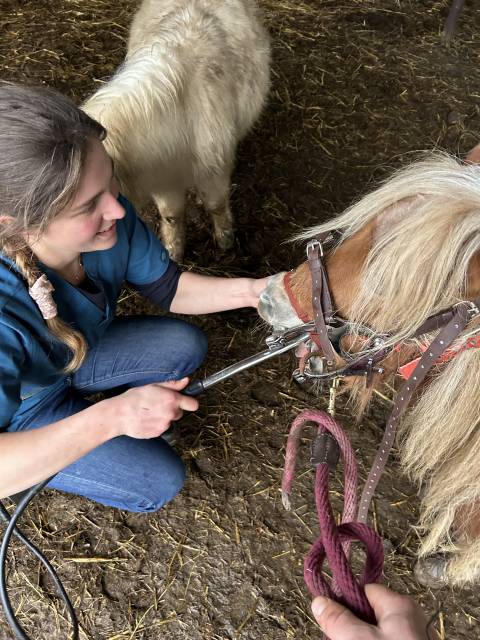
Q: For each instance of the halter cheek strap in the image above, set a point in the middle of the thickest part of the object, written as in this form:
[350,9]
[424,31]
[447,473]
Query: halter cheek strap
[321,300]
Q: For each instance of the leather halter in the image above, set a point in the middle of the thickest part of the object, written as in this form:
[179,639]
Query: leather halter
[327,323]
[451,323]
[321,300]
[461,315]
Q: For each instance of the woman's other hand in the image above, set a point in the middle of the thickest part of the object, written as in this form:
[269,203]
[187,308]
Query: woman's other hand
[398,618]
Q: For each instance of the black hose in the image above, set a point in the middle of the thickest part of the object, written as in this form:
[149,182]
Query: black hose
[13,530]
[193,389]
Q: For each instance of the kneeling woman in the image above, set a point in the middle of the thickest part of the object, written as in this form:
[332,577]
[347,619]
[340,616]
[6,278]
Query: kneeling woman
[68,242]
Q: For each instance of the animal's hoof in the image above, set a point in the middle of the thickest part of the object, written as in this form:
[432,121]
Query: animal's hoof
[431,571]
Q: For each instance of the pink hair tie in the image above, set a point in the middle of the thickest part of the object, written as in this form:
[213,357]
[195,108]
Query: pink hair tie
[41,292]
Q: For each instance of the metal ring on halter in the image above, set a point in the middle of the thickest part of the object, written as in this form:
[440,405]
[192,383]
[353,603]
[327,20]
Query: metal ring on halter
[307,373]
[473,311]
[342,372]
[372,336]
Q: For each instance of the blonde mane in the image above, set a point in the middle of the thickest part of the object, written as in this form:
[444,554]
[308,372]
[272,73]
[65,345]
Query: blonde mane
[427,231]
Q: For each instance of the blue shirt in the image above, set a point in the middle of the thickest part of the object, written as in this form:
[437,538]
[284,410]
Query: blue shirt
[31,358]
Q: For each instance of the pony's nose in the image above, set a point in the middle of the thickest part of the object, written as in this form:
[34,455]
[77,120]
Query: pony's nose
[264,297]
[264,307]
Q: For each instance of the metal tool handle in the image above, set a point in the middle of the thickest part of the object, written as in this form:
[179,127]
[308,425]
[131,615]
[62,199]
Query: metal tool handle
[198,387]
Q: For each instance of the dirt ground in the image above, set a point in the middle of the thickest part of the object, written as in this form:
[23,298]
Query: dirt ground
[357,87]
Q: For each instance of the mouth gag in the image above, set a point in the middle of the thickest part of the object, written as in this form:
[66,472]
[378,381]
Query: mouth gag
[278,342]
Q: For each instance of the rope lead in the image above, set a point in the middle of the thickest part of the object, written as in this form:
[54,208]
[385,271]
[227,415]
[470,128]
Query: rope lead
[335,540]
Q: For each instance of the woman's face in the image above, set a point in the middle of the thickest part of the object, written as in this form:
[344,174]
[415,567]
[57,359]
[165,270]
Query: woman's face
[89,221]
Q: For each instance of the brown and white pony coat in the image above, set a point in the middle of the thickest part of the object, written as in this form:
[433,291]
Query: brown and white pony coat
[407,251]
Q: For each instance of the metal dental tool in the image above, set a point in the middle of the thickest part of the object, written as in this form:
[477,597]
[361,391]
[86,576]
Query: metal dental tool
[278,342]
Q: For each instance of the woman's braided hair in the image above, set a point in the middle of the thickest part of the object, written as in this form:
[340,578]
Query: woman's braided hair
[44,140]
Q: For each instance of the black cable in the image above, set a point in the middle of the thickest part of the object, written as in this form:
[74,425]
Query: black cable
[193,389]
[10,530]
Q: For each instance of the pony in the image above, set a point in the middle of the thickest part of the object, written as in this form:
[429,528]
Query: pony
[194,81]
[403,253]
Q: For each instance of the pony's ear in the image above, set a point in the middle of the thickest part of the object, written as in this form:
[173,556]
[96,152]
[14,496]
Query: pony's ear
[473,156]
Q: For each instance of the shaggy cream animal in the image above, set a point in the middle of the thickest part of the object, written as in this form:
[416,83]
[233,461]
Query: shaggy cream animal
[194,81]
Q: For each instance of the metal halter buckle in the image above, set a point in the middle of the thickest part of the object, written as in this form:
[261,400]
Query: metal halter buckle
[473,311]
[314,244]
[299,377]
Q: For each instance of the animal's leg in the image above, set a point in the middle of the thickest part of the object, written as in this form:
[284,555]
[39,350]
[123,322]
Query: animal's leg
[462,566]
[171,206]
[214,191]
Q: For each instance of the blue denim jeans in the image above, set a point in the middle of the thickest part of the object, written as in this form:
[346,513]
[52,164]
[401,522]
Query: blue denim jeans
[136,475]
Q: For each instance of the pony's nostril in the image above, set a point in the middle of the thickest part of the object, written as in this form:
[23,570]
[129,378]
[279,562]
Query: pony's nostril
[264,308]
[265,300]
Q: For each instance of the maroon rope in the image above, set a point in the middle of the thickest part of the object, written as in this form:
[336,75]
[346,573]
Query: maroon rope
[351,592]
[335,540]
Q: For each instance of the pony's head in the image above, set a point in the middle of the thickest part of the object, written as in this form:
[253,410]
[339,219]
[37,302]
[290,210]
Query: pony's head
[405,252]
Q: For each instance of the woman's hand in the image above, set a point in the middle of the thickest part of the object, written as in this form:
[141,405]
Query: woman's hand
[147,411]
[258,285]
[28,457]
[399,618]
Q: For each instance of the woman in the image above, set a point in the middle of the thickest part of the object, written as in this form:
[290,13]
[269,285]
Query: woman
[68,242]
